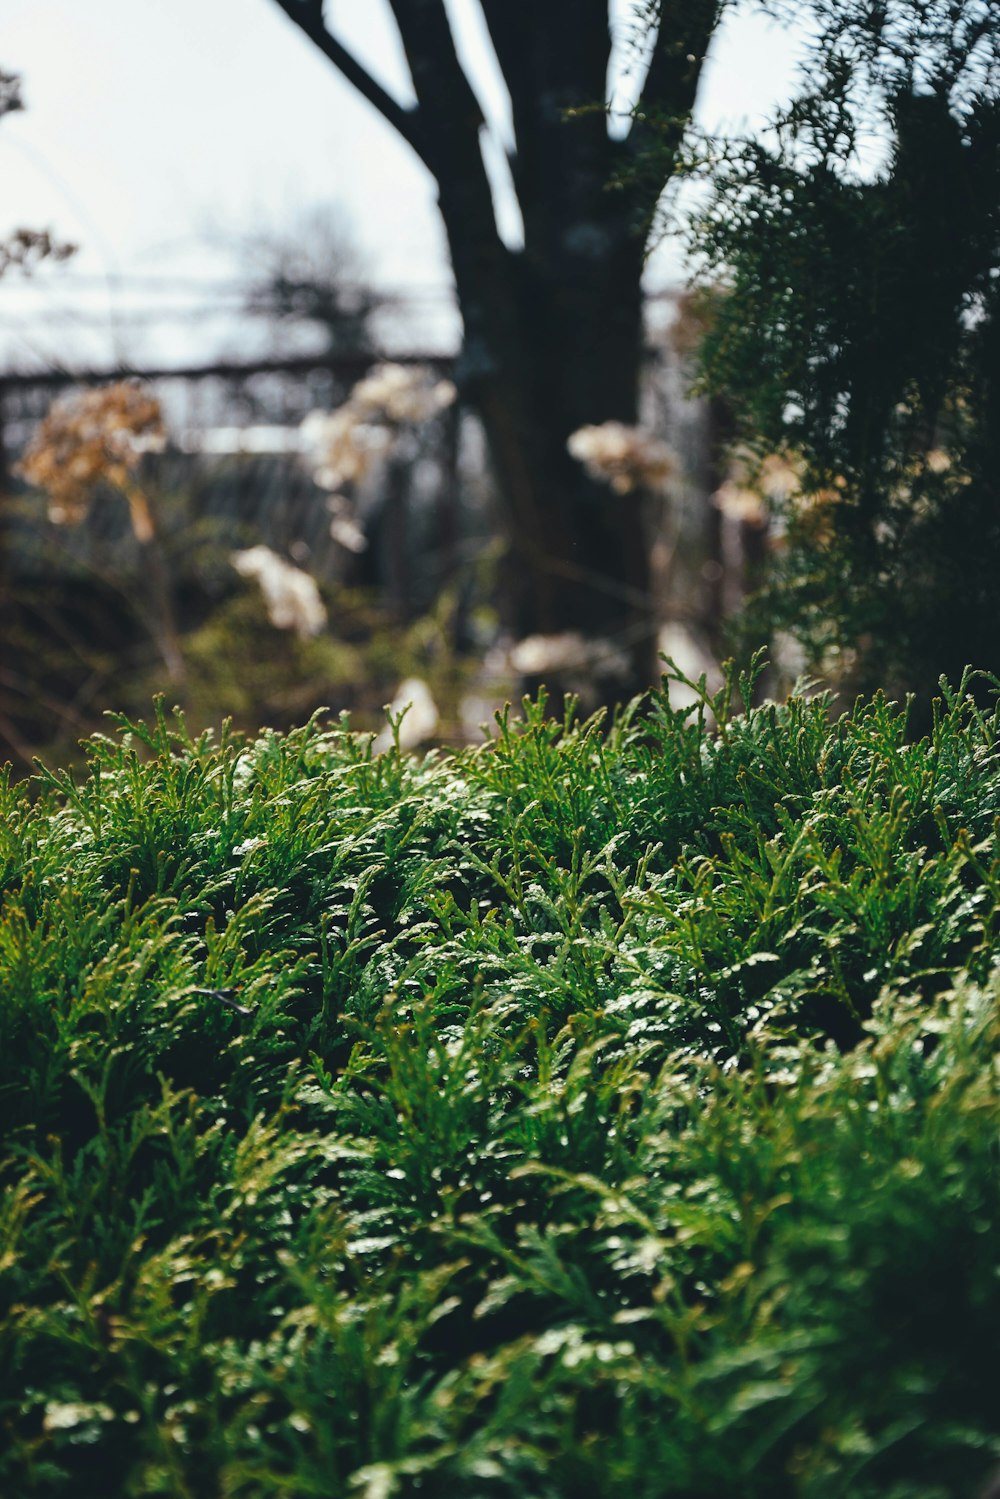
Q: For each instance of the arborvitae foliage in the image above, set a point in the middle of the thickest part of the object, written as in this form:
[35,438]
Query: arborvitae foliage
[609,1110]
[859,327]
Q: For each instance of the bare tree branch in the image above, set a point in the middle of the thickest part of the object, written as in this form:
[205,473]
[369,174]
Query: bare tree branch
[308,16]
[684,32]
[664,108]
[10,93]
[443,91]
[451,120]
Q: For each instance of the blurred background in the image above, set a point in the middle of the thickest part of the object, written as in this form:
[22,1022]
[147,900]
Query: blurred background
[240,462]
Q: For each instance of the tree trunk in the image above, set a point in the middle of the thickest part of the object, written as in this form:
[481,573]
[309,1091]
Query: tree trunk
[569,355]
[553,332]
[553,341]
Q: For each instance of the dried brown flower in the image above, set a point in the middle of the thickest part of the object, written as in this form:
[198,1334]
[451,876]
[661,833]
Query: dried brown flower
[94,438]
[627,458]
[347,442]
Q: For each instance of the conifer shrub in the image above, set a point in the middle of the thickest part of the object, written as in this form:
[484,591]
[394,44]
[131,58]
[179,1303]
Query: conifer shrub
[607,1110]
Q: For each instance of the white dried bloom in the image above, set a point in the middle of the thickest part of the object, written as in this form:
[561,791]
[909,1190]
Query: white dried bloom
[740,503]
[753,481]
[348,534]
[344,527]
[625,457]
[421,719]
[346,443]
[344,446]
[444,393]
[312,428]
[402,393]
[676,643]
[938,460]
[780,476]
[568,651]
[290,595]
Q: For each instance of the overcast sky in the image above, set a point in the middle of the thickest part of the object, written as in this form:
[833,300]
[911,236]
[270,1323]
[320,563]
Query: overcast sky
[155,129]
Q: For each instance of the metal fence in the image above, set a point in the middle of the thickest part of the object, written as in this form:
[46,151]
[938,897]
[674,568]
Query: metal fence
[233,474]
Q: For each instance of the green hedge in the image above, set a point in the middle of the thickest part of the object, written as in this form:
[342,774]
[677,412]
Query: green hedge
[605,1111]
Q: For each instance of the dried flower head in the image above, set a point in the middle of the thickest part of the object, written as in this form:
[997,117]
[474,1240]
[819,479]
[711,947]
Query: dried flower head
[740,503]
[92,438]
[422,717]
[25,249]
[344,526]
[568,651]
[779,476]
[402,393]
[290,595]
[753,485]
[627,458]
[345,446]
[346,443]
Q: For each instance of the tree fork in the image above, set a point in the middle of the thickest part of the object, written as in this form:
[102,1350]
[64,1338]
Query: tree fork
[553,331]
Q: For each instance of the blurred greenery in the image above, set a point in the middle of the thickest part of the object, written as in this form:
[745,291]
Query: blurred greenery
[852,258]
[78,643]
[608,1110]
